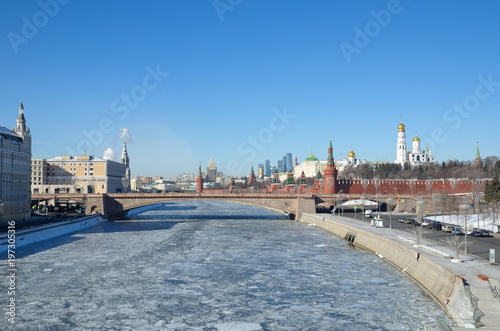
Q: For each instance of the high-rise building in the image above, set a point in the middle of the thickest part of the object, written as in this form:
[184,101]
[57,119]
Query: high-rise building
[15,171]
[280,166]
[267,168]
[289,161]
[260,170]
[211,171]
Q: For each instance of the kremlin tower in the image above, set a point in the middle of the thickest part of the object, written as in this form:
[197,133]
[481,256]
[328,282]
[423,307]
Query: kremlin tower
[251,180]
[330,173]
[199,181]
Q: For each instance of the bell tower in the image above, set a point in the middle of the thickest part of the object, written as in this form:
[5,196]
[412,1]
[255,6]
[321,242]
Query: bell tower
[401,145]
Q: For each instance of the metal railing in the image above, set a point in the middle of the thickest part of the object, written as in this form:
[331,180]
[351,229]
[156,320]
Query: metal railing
[477,312]
[494,290]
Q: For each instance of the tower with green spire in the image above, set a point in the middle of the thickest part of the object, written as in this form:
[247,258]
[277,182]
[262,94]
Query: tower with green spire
[330,173]
[199,180]
[477,159]
[251,180]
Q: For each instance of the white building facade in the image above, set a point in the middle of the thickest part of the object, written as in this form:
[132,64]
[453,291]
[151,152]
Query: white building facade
[80,174]
[416,156]
[15,171]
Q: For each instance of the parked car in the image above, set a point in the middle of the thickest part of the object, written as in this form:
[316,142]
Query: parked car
[457,231]
[402,220]
[409,220]
[480,233]
[447,228]
[426,222]
[435,225]
[415,222]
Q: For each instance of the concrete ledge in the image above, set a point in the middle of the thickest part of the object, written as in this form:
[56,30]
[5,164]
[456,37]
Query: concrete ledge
[30,236]
[408,241]
[434,251]
[443,286]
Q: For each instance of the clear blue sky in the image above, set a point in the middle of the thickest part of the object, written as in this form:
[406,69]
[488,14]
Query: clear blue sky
[193,79]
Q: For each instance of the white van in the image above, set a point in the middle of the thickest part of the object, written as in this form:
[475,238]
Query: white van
[368,213]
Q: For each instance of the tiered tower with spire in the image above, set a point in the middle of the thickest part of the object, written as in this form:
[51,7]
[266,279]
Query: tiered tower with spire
[276,183]
[290,182]
[251,180]
[330,173]
[199,180]
[21,129]
[125,160]
[477,159]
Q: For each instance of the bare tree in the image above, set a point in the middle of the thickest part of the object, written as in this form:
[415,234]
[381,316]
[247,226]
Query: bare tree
[456,243]
[418,231]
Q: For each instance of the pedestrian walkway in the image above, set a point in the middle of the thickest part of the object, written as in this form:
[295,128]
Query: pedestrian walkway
[469,268]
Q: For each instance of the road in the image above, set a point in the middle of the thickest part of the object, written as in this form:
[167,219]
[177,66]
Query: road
[479,246]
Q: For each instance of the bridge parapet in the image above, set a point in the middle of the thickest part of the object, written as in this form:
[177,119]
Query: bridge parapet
[117,204]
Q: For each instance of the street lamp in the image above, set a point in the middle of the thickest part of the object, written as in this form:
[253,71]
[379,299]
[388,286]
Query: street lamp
[389,202]
[341,192]
[420,204]
[378,196]
[464,208]
[363,207]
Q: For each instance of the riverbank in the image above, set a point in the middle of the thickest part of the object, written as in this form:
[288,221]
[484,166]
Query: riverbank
[36,234]
[430,265]
[34,231]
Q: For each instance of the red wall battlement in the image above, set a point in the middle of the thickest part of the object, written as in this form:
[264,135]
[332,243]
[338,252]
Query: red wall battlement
[410,187]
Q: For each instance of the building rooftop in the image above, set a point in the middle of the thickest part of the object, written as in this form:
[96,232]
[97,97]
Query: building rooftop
[8,133]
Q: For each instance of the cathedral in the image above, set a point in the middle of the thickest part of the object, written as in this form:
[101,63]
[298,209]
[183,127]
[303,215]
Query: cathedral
[416,156]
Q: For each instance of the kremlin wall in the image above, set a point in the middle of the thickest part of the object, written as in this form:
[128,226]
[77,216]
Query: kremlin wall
[326,181]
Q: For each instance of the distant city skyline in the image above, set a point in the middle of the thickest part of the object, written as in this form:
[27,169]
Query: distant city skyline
[181,82]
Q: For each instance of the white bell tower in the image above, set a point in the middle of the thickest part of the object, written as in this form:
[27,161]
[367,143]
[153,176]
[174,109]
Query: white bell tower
[401,145]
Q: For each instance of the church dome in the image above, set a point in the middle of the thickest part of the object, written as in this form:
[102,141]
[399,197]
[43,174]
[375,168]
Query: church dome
[416,138]
[312,158]
[401,127]
[351,154]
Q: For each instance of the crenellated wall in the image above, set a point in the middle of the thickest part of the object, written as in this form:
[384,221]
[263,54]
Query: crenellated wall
[410,187]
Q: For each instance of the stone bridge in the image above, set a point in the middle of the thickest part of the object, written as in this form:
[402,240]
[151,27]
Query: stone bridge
[117,204]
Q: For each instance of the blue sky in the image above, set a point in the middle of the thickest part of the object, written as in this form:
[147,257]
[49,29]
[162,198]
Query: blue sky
[245,81]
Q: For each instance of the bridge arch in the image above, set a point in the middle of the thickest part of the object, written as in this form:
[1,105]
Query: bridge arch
[116,205]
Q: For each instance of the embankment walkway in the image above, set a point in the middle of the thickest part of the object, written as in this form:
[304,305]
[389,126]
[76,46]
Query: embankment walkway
[431,266]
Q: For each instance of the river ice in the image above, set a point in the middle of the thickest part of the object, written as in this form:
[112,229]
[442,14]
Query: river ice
[209,265]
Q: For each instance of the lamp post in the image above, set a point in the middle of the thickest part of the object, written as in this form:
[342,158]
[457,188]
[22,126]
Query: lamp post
[341,201]
[420,204]
[363,207]
[464,208]
[378,196]
[389,202]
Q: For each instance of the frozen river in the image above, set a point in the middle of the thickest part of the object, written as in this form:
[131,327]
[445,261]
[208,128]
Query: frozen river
[209,265]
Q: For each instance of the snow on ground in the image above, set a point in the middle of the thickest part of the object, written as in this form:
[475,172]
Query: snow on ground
[479,221]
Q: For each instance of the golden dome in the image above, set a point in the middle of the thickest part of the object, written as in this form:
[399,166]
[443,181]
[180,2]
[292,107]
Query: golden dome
[351,154]
[416,138]
[401,127]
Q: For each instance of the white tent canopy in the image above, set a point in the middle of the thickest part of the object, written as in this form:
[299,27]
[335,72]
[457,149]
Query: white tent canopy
[360,203]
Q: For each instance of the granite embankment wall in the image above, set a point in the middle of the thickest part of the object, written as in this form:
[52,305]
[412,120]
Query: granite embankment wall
[446,288]
[21,238]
